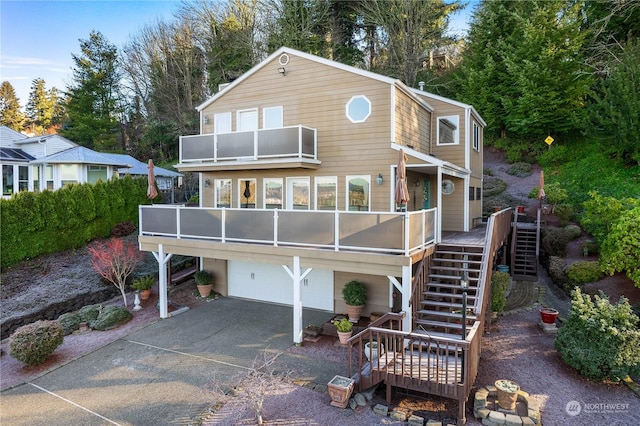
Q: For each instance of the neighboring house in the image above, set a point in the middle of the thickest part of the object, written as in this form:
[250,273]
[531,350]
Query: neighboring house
[165,179]
[299,136]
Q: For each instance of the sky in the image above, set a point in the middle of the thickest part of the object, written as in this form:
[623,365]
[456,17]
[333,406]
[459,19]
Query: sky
[37,38]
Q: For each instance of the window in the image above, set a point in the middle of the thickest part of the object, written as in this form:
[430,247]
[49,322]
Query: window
[448,130]
[23,178]
[476,137]
[96,173]
[472,193]
[298,193]
[222,123]
[7,179]
[35,172]
[358,192]
[478,193]
[48,175]
[222,193]
[358,109]
[272,193]
[68,174]
[326,192]
[247,120]
[272,118]
[247,193]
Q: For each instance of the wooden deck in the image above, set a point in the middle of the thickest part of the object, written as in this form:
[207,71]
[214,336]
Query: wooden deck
[442,368]
[475,237]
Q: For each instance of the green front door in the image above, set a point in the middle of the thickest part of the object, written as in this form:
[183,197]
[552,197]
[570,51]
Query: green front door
[426,194]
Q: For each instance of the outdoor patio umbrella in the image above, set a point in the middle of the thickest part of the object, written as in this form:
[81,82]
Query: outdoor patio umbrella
[401,193]
[541,193]
[151,179]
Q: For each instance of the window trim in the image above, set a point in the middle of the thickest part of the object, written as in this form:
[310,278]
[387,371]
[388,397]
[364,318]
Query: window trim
[241,197]
[476,137]
[217,119]
[266,110]
[265,181]
[349,178]
[239,114]
[454,120]
[354,98]
[324,180]
[216,191]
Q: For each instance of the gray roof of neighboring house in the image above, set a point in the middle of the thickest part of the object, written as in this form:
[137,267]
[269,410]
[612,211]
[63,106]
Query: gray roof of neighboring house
[140,168]
[15,154]
[81,155]
[8,136]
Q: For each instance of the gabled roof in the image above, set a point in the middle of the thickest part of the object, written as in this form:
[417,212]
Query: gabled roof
[140,168]
[14,154]
[8,136]
[452,102]
[44,138]
[348,68]
[80,155]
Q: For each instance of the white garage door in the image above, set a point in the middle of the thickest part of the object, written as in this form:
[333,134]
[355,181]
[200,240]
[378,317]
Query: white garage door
[271,283]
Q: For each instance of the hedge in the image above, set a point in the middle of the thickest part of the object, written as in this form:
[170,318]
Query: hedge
[51,221]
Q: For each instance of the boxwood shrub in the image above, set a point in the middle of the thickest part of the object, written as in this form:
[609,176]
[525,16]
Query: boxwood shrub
[33,343]
[600,340]
[584,271]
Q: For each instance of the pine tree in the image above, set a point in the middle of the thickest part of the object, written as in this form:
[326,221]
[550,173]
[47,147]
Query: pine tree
[10,113]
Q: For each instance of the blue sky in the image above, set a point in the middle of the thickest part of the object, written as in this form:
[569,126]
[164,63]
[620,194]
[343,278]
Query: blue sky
[37,38]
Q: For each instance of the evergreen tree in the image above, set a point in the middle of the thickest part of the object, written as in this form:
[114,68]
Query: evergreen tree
[42,107]
[523,66]
[10,113]
[93,100]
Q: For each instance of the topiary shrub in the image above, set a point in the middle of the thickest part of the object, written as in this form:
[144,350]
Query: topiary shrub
[599,339]
[123,229]
[555,240]
[583,272]
[89,313]
[556,269]
[33,343]
[111,317]
[499,285]
[520,169]
[70,322]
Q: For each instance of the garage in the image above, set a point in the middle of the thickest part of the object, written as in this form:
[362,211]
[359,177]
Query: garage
[271,283]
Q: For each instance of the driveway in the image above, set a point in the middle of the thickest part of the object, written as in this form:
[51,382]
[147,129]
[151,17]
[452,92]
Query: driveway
[168,372]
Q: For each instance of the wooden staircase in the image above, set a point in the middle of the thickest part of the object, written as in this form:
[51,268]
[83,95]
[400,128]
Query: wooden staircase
[524,250]
[441,305]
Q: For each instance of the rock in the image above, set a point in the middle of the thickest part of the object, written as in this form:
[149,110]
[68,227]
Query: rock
[360,399]
[381,410]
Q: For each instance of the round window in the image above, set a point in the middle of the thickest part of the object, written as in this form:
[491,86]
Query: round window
[358,109]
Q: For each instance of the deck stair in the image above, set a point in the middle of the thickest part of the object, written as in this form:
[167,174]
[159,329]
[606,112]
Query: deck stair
[524,257]
[440,311]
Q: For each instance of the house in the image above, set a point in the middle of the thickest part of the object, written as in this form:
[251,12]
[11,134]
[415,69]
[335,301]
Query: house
[165,179]
[298,162]
[50,162]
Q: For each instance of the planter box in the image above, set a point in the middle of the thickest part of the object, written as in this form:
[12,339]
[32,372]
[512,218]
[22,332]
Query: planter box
[340,389]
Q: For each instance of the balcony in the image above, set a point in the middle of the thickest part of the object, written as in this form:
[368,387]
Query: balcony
[296,144]
[374,232]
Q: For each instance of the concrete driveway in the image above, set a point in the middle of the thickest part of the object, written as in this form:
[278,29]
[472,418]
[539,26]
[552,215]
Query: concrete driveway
[168,372]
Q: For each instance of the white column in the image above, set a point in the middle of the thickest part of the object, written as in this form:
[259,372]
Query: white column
[162,259]
[297,278]
[405,290]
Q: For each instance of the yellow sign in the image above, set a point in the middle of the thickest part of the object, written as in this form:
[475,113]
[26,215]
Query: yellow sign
[549,140]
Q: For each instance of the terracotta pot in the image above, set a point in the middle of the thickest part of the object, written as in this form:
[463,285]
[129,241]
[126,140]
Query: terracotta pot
[354,312]
[340,389]
[507,392]
[145,294]
[205,290]
[548,315]
[344,336]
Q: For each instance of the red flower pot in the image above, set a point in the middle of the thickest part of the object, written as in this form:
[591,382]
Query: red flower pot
[548,315]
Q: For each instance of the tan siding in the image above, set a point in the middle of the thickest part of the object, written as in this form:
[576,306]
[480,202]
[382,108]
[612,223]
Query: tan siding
[453,205]
[377,292]
[315,95]
[413,123]
[476,156]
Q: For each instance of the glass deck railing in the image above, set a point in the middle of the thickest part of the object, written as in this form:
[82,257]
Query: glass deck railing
[384,232]
[287,142]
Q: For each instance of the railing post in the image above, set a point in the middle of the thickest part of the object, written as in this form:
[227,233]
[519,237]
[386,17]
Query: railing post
[140,220]
[178,215]
[406,233]
[336,231]
[215,147]
[275,227]
[255,144]
[299,141]
[223,231]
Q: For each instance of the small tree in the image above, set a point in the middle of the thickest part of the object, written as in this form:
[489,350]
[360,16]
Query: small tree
[620,247]
[115,260]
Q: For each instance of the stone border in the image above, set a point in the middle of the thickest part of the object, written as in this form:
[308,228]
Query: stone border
[498,418]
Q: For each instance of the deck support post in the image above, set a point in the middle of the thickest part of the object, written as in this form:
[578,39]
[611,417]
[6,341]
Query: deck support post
[297,276]
[405,290]
[162,259]
[462,418]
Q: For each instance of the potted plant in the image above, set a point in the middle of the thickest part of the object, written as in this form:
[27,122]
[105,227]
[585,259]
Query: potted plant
[204,281]
[345,330]
[507,394]
[373,350]
[354,294]
[548,315]
[143,285]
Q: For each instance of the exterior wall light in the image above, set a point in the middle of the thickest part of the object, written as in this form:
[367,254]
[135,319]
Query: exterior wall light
[282,71]
[379,179]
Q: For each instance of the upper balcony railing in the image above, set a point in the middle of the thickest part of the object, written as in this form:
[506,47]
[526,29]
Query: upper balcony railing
[392,233]
[264,144]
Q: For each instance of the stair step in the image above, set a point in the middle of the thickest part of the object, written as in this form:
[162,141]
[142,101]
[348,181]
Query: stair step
[420,330]
[441,324]
[455,260]
[447,295]
[453,286]
[445,314]
[458,253]
[441,304]
[454,268]
[451,277]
